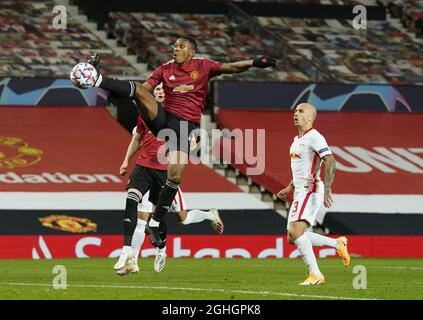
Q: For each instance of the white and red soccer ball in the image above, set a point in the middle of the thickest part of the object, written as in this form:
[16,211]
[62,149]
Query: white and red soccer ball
[84,75]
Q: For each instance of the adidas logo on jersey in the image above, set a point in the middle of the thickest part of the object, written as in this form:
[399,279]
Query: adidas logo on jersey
[172,77]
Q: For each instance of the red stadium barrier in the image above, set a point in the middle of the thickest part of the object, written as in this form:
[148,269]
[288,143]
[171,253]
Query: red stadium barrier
[198,246]
[67,149]
[378,153]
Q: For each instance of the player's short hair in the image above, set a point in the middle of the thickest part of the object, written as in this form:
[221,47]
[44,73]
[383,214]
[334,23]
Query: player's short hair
[191,40]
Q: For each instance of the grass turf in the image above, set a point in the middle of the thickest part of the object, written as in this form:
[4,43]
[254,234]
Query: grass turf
[211,279]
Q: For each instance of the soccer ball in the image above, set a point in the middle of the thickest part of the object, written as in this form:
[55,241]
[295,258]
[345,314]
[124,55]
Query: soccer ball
[83,75]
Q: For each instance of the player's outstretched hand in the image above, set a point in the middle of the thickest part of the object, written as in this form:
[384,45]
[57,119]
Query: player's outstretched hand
[264,62]
[327,200]
[284,192]
[122,169]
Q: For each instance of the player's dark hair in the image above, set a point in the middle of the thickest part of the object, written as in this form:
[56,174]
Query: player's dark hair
[190,40]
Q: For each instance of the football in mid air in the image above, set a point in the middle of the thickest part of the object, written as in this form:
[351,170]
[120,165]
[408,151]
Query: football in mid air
[83,75]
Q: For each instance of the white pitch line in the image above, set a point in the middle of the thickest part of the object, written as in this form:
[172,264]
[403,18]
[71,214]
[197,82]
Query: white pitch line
[189,289]
[399,268]
[380,267]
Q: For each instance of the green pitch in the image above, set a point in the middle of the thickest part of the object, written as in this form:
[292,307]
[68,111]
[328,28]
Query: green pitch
[211,279]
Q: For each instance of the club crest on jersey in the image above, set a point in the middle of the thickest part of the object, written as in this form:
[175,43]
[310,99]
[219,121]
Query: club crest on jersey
[195,74]
[183,88]
[295,155]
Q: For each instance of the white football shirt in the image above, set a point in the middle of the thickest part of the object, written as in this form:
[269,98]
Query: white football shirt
[306,158]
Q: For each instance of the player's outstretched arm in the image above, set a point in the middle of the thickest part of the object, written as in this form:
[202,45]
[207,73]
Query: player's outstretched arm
[240,66]
[330,164]
[133,147]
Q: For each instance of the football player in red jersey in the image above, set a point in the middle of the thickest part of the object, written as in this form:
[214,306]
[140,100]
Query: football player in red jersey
[145,183]
[185,83]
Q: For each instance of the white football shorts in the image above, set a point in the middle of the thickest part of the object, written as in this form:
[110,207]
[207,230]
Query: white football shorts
[305,206]
[178,203]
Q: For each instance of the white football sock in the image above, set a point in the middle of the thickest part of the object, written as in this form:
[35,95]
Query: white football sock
[195,216]
[306,249]
[162,250]
[153,223]
[138,238]
[318,240]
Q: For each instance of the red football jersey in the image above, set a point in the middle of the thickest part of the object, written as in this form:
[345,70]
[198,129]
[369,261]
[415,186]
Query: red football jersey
[151,150]
[185,86]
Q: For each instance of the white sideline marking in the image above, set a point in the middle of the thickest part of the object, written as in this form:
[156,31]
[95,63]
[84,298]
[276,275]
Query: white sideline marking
[187,289]
[381,267]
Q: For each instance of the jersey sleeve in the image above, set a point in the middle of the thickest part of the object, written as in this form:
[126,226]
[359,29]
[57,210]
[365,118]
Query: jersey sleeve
[213,67]
[156,77]
[320,145]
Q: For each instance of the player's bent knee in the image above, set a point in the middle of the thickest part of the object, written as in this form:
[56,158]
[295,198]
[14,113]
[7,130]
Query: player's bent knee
[143,215]
[293,235]
[135,191]
[181,216]
[174,177]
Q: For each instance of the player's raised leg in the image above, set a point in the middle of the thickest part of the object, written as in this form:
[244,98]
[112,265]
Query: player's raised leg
[195,216]
[145,101]
[340,244]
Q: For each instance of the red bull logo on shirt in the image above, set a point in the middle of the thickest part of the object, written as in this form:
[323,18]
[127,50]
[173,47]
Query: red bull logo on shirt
[295,155]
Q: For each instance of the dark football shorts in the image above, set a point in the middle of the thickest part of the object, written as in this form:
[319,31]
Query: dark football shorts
[144,179]
[182,128]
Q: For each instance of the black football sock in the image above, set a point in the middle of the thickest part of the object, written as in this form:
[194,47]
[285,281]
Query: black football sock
[120,88]
[165,200]
[163,233]
[131,210]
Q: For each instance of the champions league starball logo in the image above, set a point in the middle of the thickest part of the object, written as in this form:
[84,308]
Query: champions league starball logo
[335,98]
[34,91]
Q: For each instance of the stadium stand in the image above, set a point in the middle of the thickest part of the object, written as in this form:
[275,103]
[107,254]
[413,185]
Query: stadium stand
[410,13]
[31,47]
[151,36]
[340,51]
[354,56]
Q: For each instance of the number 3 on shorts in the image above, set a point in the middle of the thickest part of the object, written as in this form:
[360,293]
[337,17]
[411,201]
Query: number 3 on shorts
[295,205]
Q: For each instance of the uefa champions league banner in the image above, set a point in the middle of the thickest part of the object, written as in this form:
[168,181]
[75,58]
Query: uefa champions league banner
[232,94]
[48,91]
[331,97]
